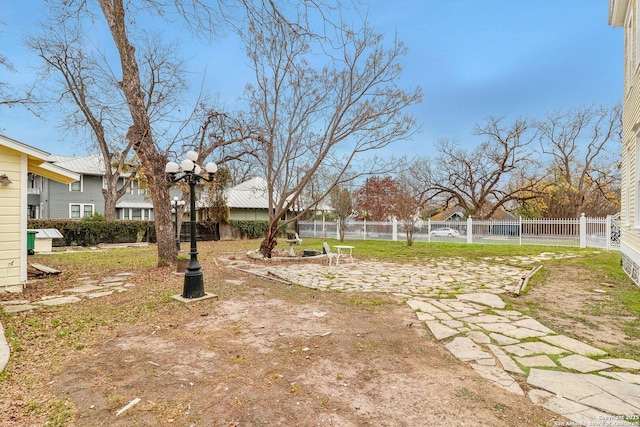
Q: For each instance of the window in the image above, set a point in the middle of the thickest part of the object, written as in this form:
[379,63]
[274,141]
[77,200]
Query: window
[76,185]
[141,191]
[137,214]
[80,210]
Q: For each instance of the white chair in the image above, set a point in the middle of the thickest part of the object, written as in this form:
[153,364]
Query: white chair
[330,255]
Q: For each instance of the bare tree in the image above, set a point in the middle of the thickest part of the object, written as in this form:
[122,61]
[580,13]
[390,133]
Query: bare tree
[89,92]
[584,173]
[489,176]
[321,102]
[343,206]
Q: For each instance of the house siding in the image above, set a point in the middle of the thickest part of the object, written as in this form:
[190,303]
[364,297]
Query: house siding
[56,197]
[630,216]
[11,231]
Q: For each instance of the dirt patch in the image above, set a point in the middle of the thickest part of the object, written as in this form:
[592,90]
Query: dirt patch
[583,307]
[267,357]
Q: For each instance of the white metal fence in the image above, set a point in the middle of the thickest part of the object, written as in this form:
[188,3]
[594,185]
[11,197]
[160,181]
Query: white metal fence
[578,232]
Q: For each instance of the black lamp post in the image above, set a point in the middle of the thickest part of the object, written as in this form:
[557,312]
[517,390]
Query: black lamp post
[176,204]
[189,172]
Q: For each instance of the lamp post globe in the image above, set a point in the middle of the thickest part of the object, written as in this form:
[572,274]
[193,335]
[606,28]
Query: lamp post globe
[189,172]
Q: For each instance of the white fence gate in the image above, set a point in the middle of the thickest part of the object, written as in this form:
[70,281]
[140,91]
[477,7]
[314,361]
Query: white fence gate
[577,232]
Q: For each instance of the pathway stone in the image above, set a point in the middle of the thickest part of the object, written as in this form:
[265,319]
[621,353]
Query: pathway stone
[574,411]
[604,394]
[574,345]
[582,364]
[82,289]
[490,300]
[540,347]
[18,308]
[465,349]
[440,331]
[503,339]
[499,377]
[58,301]
[541,361]
[623,376]
[508,364]
[623,363]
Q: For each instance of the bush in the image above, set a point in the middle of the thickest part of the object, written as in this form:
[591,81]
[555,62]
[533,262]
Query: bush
[91,232]
[254,229]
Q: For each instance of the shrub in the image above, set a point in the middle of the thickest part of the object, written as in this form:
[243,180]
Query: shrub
[91,232]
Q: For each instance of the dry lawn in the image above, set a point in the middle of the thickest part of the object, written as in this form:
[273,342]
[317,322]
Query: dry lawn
[260,354]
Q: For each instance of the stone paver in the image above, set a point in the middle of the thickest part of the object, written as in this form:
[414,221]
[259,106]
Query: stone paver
[58,300]
[582,364]
[440,331]
[541,361]
[574,345]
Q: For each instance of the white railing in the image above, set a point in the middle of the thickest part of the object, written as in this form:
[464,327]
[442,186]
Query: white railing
[577,232]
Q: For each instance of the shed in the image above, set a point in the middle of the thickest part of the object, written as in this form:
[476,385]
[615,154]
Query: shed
[44,239]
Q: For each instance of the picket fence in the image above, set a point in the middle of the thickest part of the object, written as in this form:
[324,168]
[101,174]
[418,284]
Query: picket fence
[579,232]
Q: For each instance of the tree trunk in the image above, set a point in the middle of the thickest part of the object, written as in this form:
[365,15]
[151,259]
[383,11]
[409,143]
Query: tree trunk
[269,242]
[140,132]
[110,201]
[159,188]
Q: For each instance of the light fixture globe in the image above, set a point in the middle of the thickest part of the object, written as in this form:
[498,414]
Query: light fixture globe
[211,167]
[187,165]
[192,155]
[197,170]
[171,167]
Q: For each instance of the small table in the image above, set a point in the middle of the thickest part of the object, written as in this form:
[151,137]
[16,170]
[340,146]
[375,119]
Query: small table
[342,252]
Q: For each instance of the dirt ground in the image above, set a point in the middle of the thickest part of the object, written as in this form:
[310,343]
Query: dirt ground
[260,354]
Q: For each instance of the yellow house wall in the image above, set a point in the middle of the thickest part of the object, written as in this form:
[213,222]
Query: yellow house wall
[13,221]
[630,217]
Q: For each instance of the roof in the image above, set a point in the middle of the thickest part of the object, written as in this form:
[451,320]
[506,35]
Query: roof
[93,164]
[47,233]
[37,161]
[251,194]
[134,204]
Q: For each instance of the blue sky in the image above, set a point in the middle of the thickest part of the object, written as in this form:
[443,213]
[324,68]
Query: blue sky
[472,58]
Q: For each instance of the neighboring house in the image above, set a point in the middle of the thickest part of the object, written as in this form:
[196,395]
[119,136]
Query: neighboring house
[17,161]
[248,201]
[625,13]
[83,198]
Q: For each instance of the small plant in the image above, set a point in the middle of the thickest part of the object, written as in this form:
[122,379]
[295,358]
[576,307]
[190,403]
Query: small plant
[183,258]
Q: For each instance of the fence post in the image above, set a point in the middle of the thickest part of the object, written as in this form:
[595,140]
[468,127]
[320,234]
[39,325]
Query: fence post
[338,222]
[428,229]
[607,233]
[583,231]
[394,230]
[469,230]
[364,229]
[520,229]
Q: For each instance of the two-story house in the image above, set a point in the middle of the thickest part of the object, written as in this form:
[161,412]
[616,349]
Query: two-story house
[49,199]
[625,13]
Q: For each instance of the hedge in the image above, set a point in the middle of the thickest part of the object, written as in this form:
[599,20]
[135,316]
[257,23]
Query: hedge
[91,233]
